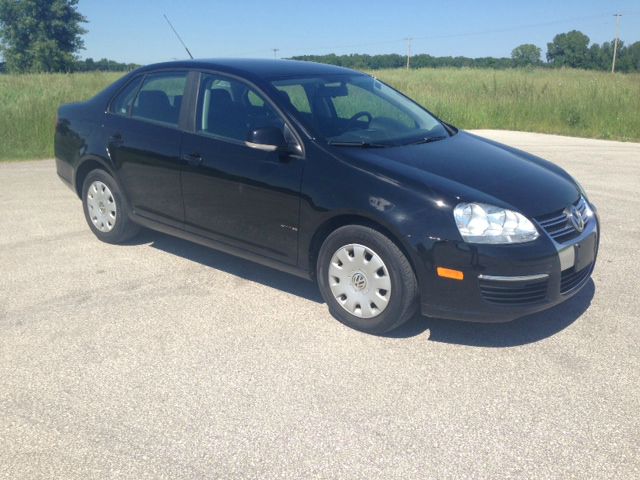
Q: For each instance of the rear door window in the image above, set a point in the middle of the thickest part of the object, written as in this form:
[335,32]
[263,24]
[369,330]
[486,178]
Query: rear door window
[160,98]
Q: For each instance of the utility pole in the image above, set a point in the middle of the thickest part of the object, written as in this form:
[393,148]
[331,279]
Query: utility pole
[615,45]
[275,52]
[408,40]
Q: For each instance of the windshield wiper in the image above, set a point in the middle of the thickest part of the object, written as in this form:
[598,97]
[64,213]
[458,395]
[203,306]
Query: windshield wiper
[358,144]
[428,140]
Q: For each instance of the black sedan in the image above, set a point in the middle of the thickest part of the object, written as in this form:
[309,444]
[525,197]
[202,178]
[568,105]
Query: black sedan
[330,174]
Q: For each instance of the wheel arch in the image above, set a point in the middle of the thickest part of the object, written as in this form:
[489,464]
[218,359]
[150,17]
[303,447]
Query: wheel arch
[86,165]
[342,220]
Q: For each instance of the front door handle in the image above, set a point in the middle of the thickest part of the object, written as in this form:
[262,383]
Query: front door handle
[116,140]
[193,159]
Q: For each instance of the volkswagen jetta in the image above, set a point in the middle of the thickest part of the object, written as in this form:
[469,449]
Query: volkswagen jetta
[330,174]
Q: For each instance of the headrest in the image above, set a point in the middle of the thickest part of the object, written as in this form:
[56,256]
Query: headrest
[286,99]
[219,95]
[153,97]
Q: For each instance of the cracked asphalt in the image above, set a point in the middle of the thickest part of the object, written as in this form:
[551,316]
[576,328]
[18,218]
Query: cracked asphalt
[163,359]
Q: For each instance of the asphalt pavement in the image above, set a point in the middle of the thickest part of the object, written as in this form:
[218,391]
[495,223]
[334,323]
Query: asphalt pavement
[164,359]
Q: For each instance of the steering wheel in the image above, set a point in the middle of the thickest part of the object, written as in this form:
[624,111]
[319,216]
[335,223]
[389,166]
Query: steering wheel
[355,117]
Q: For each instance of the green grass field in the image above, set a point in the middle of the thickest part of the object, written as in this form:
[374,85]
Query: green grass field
[28,105]
[566,102]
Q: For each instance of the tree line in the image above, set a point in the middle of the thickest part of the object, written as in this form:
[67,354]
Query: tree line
[86,65]
[46,36]
[103,65]
[572,49]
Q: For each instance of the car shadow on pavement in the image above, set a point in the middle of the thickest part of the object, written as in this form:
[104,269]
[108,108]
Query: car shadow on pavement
[522,331]
[239,267]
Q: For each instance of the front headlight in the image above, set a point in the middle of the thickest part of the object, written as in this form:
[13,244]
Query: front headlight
[482,223]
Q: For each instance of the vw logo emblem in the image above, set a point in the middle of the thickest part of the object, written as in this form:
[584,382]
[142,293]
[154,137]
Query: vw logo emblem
[359,281]
[573,215]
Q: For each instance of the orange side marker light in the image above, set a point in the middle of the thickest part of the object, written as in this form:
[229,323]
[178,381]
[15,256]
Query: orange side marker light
[449,273]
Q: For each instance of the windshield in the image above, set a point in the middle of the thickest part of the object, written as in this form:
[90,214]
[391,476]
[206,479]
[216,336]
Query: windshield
[358,110]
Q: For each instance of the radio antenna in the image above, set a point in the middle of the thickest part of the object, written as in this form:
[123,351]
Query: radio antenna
[177,35]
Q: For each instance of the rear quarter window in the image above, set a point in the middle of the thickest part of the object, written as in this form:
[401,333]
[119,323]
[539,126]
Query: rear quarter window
[122,102]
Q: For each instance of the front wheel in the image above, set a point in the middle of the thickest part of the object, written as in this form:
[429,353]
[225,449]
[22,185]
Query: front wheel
[366,280]
[106,209]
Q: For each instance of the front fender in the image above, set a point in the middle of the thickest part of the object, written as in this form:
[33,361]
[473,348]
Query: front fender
[335,193]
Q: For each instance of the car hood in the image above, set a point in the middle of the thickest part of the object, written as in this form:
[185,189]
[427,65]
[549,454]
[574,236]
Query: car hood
[472,168]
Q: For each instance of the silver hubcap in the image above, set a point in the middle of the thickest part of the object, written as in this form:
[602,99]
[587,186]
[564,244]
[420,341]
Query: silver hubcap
[359,281]
[102,206]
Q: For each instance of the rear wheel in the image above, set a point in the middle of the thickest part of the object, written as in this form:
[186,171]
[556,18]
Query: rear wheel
[105,208]
[366,280]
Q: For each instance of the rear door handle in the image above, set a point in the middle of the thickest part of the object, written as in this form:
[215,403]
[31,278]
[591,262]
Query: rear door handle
[193,159]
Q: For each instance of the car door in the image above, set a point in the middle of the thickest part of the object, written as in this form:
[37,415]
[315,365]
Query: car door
[234,193]
[144,143]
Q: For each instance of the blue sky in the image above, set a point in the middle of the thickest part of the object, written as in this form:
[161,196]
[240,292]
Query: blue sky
[135,31]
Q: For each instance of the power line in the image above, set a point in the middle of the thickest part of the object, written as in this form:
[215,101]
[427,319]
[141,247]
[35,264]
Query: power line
[275,52]
[448,35]
[462,34]
[514,28]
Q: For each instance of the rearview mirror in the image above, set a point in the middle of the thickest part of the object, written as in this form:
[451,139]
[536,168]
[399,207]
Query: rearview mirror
[269,139]
[333,90]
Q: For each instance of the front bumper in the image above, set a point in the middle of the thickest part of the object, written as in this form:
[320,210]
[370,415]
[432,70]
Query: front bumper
[505,282]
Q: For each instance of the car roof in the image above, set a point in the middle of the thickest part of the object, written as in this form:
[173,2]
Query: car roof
[266,69]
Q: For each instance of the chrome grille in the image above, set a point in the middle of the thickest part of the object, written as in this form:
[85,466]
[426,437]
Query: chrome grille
[559,225]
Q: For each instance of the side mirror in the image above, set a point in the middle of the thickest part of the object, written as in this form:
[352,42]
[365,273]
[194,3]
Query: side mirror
[268,139]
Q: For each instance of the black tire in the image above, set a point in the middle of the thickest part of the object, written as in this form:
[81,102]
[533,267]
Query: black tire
[123,228]
[403,301]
